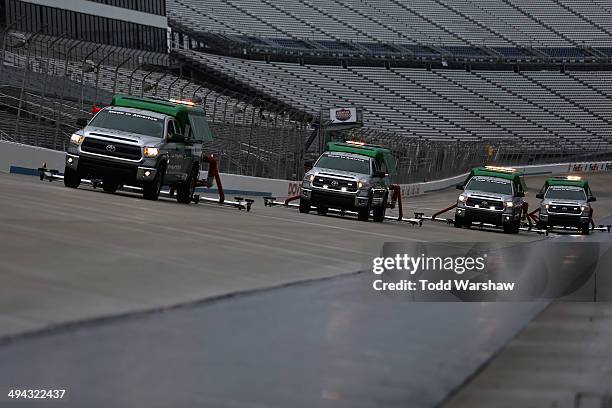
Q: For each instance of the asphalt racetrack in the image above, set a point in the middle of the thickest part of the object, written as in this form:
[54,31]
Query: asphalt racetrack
[70,256]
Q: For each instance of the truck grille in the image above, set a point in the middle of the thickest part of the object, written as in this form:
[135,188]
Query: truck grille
[564,209]
[335,184]
[119,150]
[484,203]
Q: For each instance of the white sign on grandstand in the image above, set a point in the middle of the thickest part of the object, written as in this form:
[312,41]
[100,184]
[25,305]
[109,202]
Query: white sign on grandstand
[343,115]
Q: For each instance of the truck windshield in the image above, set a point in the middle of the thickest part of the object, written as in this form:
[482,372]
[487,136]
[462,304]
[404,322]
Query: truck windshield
[129,122]
[490,185]
[344,163]
[564,193]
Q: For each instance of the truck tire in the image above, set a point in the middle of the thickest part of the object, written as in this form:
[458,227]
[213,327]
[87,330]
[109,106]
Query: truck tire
[109,185]
[586,230]
[304,206]
[321,210]
[71,178]
[150,190]
[184,191]
[458,222]
[363,213]
[378,213]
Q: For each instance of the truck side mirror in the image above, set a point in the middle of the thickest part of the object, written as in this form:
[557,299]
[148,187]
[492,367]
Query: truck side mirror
[82,122]
[380,174]
[176,138]
[520,194]
[540,196]
[591,199]
[459,187]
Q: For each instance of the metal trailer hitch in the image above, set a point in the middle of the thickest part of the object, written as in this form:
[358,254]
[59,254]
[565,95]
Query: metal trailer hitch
[240,203]
[528,224]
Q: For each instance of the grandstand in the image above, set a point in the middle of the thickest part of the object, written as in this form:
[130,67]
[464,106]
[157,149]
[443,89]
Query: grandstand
[440,81]
[545,109]
[516,29]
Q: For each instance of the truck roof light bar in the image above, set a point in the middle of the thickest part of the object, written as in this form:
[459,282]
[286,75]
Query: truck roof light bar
[188,103]
[501,169]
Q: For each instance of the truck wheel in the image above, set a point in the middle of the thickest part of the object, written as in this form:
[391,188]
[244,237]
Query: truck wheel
[321,210]
[363,214]
[304,206]
[184,192]
[109,185]
[150,190]
[71,178]
[458,222]
[378,213]
[586,230]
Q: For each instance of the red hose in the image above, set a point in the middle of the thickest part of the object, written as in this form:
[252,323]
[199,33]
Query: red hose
[433,217]
[290,199]
[397,197]
[213,170]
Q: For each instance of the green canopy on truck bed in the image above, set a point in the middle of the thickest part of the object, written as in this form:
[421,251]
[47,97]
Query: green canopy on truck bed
[187,114]
[379,153]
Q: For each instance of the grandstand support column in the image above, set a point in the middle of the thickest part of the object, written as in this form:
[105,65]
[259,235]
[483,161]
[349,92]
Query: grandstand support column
[116,73]
[25,76]
[104,57]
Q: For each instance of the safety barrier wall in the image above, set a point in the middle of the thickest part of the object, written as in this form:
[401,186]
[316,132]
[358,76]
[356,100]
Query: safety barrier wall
[18,158]
[409,190]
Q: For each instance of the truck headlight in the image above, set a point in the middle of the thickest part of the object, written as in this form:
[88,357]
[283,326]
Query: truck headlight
[585,209]
[308,179]
[363,184]
[462,198]
[77,139]
[151,151]
[509,204]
